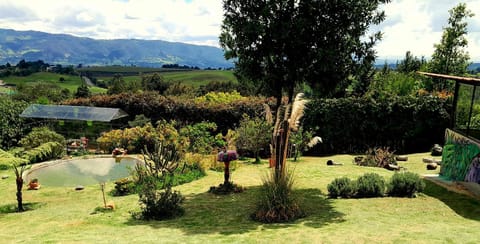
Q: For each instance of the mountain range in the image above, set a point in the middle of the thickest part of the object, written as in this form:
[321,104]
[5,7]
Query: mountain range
[71,50]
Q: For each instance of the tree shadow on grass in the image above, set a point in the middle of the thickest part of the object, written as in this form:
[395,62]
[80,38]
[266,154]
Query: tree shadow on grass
[12,208]
[207,213]
[463,205]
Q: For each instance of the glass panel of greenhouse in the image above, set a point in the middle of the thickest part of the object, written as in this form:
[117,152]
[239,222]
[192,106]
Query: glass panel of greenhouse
[467,110]
[64,112]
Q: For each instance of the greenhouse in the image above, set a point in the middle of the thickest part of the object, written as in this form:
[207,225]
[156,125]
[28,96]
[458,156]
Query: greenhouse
[461,151]
[75,122]
[64,112]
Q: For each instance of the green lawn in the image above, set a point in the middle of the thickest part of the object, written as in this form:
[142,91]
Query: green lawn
[64,215]
[194,78]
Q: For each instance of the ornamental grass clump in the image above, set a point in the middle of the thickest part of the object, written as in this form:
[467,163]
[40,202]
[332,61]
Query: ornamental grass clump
[277,203]
[406,184]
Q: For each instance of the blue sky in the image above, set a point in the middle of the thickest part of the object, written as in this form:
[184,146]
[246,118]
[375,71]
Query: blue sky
[411,25]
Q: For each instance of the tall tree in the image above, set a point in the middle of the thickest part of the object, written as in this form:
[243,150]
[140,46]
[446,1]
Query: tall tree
[450,56]
[282,43]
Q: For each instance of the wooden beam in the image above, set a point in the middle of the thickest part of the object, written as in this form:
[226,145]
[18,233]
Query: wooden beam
[470,80]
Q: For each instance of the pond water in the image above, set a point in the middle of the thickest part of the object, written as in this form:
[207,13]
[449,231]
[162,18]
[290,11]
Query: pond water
[82,171]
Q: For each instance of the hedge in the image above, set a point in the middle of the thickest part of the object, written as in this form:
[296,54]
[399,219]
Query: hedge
[188,111]
[352,125]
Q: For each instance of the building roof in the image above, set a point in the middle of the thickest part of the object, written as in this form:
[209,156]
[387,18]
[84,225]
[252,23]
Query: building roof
[64,112]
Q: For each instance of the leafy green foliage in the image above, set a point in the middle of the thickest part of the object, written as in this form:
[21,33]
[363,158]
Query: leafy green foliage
[220,97]
[41,135]
[183,110]
[276,200]
[450,56]
[44,152]
[163,161]
[405,124]
[254,134]
[394,84]
[406,184]
[272,41]
[202,138]
[140,120]
[342,187]
[370,185]
[154,82]
[7,159]
[12,126]
[83,91]
[35,91]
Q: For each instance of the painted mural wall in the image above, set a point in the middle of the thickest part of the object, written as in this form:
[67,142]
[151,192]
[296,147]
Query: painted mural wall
[460,158]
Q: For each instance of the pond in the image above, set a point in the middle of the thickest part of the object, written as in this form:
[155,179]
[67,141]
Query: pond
[86,171]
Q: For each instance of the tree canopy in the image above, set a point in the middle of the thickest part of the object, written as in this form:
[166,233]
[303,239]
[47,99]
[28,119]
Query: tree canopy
[282,43]
[449,56]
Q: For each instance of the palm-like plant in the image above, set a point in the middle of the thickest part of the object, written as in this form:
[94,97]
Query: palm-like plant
[19,181]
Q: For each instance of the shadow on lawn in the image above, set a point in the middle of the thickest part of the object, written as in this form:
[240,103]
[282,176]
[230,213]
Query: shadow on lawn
[12,208]
[463,205]
[230,214]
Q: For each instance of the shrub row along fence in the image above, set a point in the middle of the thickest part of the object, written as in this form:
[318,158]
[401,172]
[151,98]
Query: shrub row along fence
[352,125]
[347,125]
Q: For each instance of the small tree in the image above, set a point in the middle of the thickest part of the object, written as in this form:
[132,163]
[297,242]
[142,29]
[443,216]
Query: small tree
[449,56]
[19,182]
[253,135]
[83,91]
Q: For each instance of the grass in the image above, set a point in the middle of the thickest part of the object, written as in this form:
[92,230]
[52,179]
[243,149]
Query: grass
[58,214]
[72,82]
[194,78]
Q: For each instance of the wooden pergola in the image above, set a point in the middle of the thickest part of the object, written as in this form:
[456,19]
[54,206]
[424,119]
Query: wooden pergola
[458,80]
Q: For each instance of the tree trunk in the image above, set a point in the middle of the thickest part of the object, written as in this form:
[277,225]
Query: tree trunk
[19,194]
[226,174]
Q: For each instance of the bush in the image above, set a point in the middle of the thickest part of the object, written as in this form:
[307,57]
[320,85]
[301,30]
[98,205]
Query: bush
[44,152]
[370,185]
[378,157]
[342,187]
[277,203]
[123,187]
[406,184]
[39,136]
[158,205]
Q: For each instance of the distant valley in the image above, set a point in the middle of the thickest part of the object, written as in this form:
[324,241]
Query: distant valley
[67,49]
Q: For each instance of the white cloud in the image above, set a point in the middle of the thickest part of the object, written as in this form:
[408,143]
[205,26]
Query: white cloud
[411,25]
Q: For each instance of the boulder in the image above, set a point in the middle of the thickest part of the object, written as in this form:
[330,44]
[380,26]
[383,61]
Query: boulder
[401,158]
[432,166]
[427,160]
[4,177]
[437,150]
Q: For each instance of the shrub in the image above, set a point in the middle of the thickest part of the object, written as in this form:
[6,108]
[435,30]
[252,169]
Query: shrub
[378,157]
[406,184]
[202,138]
[123,187]
[370,185]
[44,152]
[342,187]
[277,203]
[41,135]
[161,162]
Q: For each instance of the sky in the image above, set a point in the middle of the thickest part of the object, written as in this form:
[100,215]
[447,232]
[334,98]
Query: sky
[410,25]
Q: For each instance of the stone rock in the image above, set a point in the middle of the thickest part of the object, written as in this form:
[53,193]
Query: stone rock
[4,177]
[393,167]
[79,188]
[401,158]
[437,150]
[427,160]
[432,166]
